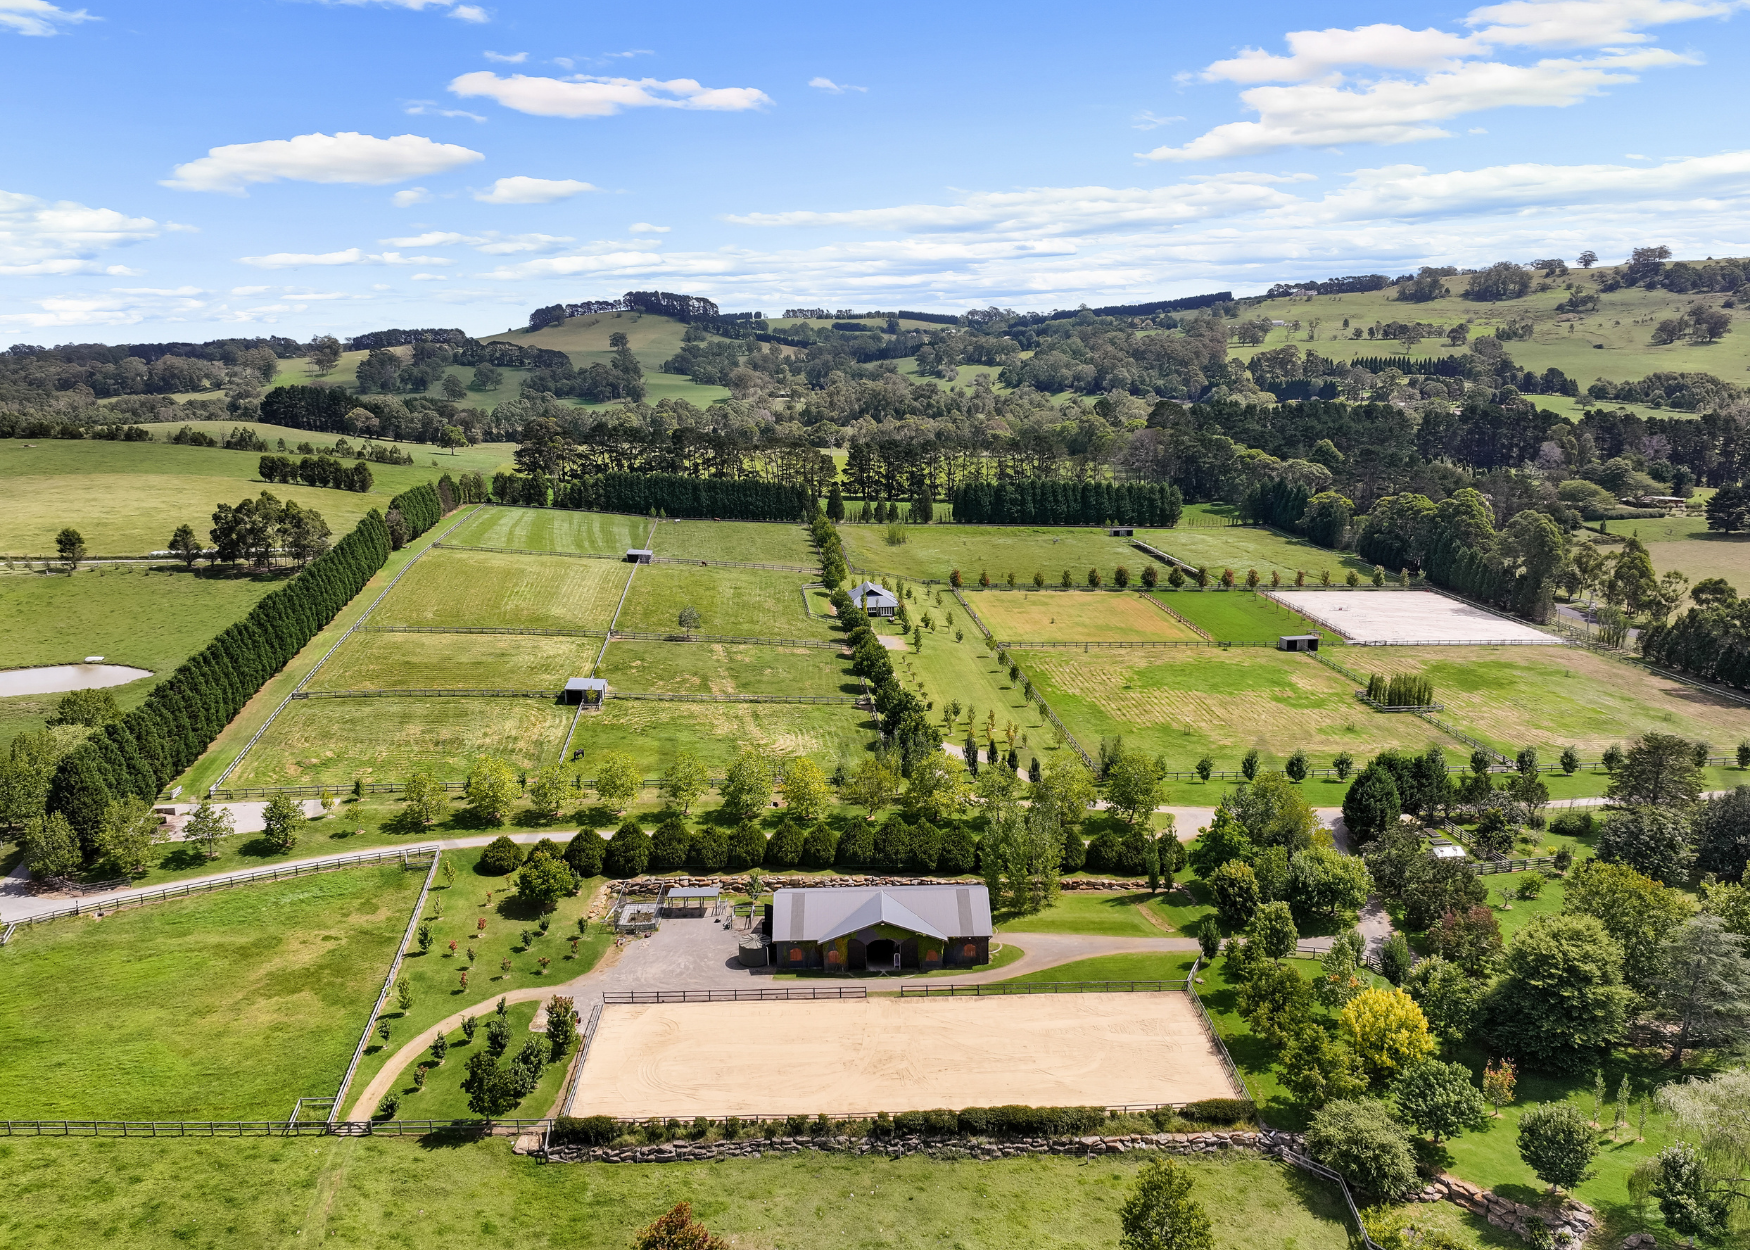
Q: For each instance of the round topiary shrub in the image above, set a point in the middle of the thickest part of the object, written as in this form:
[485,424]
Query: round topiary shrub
[584,853]
[1360,1140]
[500,857]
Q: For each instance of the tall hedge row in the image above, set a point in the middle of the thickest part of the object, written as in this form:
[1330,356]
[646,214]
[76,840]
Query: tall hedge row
[740,499]
[420,508]
[1051,502]
[145,749]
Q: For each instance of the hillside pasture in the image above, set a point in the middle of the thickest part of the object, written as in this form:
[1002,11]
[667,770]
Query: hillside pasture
[148,618]
[485,588]
[1245,547]
[717,668]
[1075,616]
[933,551]
[1553,697]
[221,1006]
[552,529]
[653,733]
[370,661]
[747,602]
[1183,703]
[336,741]
[748,542]
[1238,615]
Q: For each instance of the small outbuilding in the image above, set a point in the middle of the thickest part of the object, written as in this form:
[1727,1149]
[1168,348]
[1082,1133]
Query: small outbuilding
[1298,642]
[639,555]
[1121,531]
[691,900]
[586,690]
[875,600]
[881,927]
[1448,850]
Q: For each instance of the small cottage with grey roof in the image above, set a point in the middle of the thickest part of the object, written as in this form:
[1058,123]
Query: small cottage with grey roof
[875,600]
[881,927]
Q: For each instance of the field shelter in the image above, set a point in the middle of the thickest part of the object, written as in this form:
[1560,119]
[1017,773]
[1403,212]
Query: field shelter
[883,928]
[875,600]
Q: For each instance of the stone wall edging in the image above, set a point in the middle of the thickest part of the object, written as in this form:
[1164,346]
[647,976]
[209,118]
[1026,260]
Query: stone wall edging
[1267,1142]
[1568,1225]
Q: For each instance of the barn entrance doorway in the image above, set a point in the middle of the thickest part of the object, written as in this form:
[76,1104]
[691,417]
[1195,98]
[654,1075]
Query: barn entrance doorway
[882,953]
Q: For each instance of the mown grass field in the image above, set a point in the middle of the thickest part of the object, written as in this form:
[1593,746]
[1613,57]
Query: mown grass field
[1552,697]
[443,1097]
[221,1006]
[1108,915]
[151,619]
[1184,703]
[748,602]
[933,551]
[1242,548]
[1614,342]
[967,672]
[551,529]
[335,741]
[457,661]
[653,733]
[363,1191]
[1237,615]
[1135,967]
[717,668]
[1075,616]
[486,458]
[128,498]
[485,588]
[752,542]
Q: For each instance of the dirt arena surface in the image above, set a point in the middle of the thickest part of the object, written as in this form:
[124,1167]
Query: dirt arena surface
[859,1056]
[1406,617]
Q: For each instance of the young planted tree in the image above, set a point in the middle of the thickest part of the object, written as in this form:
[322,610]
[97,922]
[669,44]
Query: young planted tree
[686,780]
[805,789]
[1557,1144]
[282,821]
[185,546]
[492,789]
[424,797]
[678,1230]
[208,825]
[1499,1079]
[1159,1212]
[1439,1099]
[617,779]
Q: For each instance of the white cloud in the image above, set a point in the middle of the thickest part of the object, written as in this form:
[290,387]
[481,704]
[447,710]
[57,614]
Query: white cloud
[249,290]
[410,197]
[507,58]
[431,277]
[343,157]
[523,190]
[38,17]
[429,108]
[585,96]
[1146,120]
[469,13]
[60,238]
[491,242]
[837,88]
[109,308]
[1315,53]
[1588,23]
[1394,110]
[644,227]
[350,256]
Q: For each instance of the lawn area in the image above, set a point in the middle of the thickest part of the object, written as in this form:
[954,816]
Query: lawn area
[654,733]
[1134,967]
[1183,703]
[1107,915]
[946,671]
[484,458]
[221,1006]
[552,529]
[378,1191]
[456,662]
[1238,616]
[1250,547]
[720,668]
[151,619]
[932,551]
[128,498]
[454,913]
[443,1097]
[1552,697]
[1255,1058]
[1075,616]
[335,741]
[748,602]
[749,542]
[530,592]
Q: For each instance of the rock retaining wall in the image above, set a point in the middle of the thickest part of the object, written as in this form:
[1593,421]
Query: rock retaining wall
[1267,1142]
[1568,1225]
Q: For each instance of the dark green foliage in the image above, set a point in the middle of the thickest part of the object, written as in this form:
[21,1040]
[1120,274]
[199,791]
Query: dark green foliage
[745,848]
[856,845]
[669,845]
[1061,502]
[959,851]
[819,846]
[924,848]
[1654,841]
[589,1130]
[709,852]
[584,854]
[1395,959]
[1220,1111]
[420,508]
[1372,805]
[628,851]
[1557,1144]
[1439,1099]
[1401,690]
[1722,834]
[892,845]
[1560,1000]
[501,856]
[1022,1121]
[1360,1139]
[1159,1213]
[784,850]
[743,499]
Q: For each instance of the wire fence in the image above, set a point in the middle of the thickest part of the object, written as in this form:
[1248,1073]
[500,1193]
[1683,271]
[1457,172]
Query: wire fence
[1188,624]
[428,692]
[408,857]
[532,551]
[584,1041]
[843,700]
[1037,698]
[1123,644]
[1000,988]
[1318,1169]
[738,564]
[783,994]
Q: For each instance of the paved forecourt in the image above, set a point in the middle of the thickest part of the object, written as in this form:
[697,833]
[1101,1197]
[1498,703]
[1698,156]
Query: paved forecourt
[860,1056]
[1406,617]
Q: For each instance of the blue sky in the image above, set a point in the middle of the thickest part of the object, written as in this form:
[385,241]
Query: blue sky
[194,170]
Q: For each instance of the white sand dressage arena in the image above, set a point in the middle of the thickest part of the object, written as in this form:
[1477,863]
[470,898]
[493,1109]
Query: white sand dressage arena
[1406,617]
[860,1056]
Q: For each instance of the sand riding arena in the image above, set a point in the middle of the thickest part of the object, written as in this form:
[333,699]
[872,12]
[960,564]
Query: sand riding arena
[859,1056]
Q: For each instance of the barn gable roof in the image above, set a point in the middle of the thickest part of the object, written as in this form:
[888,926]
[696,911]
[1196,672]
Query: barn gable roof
[938,911]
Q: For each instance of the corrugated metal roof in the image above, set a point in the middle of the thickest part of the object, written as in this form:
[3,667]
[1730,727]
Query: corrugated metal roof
[938,911]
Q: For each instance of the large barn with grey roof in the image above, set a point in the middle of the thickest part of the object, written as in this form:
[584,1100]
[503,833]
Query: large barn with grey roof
[881,927]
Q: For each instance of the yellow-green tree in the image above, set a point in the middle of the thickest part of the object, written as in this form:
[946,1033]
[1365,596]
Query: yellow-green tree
[492,788]
[685,781]
[1387,1031]
[617,779]
[423,794]
[805,789]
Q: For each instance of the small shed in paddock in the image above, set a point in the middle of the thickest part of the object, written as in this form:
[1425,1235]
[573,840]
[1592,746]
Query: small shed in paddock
[586,690]
[639,555]
[1298,642]
[1121,531]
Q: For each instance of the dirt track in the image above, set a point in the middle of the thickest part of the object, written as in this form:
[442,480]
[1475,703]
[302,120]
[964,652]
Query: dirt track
[893,1054]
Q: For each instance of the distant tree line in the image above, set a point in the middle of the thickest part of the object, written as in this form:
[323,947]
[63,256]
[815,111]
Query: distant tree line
[743,499]
[1068,503]
[316,471]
